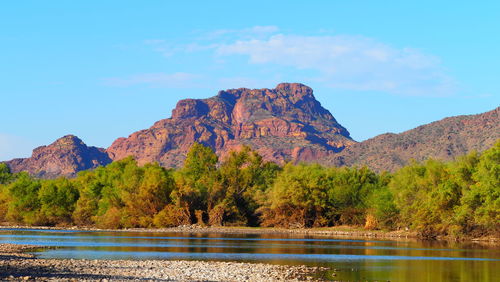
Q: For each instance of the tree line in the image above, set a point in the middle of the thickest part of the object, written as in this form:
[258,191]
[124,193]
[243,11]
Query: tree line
[459,198]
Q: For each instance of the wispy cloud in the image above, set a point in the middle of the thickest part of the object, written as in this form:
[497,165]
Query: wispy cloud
[337,61]
[174,80]
[251,32]
[349,62]
[217,37]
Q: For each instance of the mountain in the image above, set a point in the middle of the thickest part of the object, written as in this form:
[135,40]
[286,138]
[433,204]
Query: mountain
[285,123]
[444,139]
[65,157]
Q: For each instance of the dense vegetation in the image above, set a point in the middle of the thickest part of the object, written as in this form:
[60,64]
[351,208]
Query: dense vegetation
[459,198]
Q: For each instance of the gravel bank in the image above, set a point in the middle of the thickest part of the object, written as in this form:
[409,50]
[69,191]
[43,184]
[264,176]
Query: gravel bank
[327,231]
[15,265]
[333,232]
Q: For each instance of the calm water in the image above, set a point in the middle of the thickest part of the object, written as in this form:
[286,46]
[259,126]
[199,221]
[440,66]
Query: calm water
[353,259]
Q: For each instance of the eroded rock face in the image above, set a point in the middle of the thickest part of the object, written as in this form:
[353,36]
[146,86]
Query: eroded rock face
[65,157]
[283,124]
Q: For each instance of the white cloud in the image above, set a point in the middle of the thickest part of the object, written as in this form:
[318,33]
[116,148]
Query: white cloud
[169,48]
[262,29]
[349,62]
[254,31]
[337,61]
[14,147]
[174,80]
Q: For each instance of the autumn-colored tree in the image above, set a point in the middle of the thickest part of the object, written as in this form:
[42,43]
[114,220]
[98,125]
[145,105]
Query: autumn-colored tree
[195,181]
[151,195]
[244,176]
[459,198]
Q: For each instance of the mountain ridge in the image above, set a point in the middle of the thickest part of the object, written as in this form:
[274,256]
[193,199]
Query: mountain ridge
[283,124]
[443,139]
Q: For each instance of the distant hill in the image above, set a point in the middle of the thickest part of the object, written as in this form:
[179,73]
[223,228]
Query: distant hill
[65,157]
[444,140]
[283,124]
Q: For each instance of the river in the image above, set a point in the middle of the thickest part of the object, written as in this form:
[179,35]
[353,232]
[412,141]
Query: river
[349,259]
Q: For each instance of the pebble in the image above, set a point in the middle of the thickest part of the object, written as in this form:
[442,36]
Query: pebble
[16,266]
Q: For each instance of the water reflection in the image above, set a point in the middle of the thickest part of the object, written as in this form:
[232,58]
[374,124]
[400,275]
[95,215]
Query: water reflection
[352,259]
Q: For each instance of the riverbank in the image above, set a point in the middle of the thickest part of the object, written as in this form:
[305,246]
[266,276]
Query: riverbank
[17,265]
[345,231]
[338,231]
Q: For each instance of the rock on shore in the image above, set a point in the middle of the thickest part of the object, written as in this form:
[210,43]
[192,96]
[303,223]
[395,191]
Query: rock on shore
[15,265]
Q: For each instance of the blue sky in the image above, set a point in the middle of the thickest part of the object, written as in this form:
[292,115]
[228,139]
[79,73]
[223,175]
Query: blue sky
[104,69]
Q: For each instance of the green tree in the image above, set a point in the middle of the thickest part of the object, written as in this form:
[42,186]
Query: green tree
[103,193]
[24,204]
[349,190]
[425,197]
[57,201]
[298,197]
[193,181]
[5,175]
[89,188]
[479,210]
[117,179]
[149,197]
[243,177]
[383,208]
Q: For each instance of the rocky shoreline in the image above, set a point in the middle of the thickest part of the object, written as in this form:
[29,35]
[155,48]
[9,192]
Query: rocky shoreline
[16,265]
[327,231]
[342,231]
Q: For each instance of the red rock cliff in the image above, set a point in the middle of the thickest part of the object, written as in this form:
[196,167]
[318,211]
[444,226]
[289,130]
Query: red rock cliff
[285,123]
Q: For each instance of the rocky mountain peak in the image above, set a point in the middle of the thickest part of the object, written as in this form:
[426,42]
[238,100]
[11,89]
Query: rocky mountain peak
[64,157]
[276,122]
[69,142]
[295,91]
[190,108]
